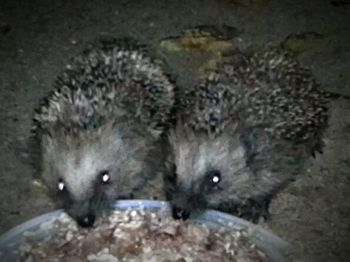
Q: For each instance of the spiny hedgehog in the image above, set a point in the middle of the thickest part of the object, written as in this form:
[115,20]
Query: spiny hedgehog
[243,133]
[99,130]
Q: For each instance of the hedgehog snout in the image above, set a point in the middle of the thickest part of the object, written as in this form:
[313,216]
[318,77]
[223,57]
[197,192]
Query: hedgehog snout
[86,220]
[180,213]
[86,212]
[184,203]
[180,207]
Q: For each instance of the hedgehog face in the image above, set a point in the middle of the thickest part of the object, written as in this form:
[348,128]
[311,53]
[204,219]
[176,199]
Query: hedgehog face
[210,173]
[86,174]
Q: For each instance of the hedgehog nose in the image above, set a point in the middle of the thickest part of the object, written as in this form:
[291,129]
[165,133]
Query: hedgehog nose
[179,213]
[86,220]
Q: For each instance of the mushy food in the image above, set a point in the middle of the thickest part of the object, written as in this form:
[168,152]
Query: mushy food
[138,235]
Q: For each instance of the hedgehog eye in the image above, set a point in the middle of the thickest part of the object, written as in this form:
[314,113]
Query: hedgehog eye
[61,186]
[104,177]
[214,178]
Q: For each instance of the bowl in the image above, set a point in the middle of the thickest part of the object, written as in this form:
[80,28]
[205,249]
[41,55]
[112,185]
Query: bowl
[275,248]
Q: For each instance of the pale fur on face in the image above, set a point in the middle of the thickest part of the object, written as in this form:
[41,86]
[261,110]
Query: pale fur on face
[195,154]
[129,156]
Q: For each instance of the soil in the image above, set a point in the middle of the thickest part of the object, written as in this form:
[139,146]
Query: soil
[38,37]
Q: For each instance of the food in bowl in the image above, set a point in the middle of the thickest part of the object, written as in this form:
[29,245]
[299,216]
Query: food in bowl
[139,235]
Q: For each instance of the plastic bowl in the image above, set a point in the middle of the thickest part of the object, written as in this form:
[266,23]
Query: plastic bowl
[274,247]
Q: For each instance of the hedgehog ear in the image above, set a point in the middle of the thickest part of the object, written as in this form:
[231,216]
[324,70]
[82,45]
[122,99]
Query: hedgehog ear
[155,133]
[38,184]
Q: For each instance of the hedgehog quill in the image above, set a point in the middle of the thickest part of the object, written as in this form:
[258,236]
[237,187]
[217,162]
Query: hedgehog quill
[98,133]
[243,133]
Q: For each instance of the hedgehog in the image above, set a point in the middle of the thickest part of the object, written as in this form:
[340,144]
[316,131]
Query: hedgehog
[98,133]
[242,133]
